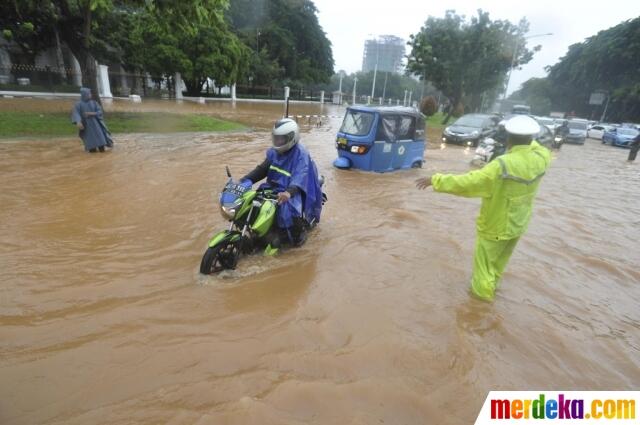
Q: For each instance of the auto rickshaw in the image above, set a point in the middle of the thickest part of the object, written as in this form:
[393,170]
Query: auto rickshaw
[381,139]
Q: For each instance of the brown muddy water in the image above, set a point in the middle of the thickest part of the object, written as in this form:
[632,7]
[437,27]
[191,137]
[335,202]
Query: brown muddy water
[104,318]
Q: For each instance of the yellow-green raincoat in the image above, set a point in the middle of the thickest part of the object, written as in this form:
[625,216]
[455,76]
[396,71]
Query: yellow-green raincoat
[507,186]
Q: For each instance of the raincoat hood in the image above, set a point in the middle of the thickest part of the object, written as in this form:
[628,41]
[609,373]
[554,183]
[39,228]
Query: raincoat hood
[85,94]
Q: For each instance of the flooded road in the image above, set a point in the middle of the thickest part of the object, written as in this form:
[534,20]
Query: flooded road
[104,318]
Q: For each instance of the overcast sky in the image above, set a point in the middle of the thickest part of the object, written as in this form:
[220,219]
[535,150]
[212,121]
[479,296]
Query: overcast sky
[348,23]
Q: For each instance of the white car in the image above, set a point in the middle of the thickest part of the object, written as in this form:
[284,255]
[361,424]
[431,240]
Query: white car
[597,131]
[548,122]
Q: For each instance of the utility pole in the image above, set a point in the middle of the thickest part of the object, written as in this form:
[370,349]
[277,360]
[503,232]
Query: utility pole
[384,88]
[606,105]
[373,87]
[375,70]
[513,60]
[355,81]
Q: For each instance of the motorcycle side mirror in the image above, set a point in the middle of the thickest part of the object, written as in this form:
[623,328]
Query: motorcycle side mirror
[228,171]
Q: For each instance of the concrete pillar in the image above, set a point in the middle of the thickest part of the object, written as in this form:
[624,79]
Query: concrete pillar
[380,101]
[77,71]
[103,81]
[322,97]
[124,83]
[410,94]
[389,101]
[368,100]
[286,101]
[177,81]
[397,102]
[233,92]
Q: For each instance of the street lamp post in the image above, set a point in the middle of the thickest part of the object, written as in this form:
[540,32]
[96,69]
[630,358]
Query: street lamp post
[513,60]
[384,88]
[355,81]
[375,70]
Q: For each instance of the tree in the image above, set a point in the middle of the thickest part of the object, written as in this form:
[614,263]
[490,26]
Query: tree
[199,51]
[608,61]
[467,61]
[428,106]
[286,37]
[535,92]
[80,24]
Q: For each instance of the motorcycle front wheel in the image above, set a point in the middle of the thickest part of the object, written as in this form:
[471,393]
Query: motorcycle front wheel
[220,257]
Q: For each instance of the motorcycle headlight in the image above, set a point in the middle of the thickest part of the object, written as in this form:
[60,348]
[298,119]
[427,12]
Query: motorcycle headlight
[228,211]
[557,139]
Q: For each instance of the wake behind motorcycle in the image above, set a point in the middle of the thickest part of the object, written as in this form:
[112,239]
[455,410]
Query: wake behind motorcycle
[252,216]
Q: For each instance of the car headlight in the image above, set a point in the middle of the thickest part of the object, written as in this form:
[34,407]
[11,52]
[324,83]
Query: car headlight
[228,212]
[446,131]
[475,133]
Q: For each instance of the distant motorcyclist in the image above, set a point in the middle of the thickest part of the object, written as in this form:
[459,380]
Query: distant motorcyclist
[293,175]
[561,133]
[563,129]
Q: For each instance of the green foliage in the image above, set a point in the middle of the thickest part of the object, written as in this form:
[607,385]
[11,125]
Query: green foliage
[205,50]
[608,61]
[428,106]
[468,61]
[287,40]
[271,40]
[535,92]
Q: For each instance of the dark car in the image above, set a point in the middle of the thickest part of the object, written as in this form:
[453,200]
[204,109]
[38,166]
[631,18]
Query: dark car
[469,129]
[622,136]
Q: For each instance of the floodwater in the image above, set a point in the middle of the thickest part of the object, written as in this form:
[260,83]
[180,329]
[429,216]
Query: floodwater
[104,318]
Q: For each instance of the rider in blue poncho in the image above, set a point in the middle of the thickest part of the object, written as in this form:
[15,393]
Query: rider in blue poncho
[291,172]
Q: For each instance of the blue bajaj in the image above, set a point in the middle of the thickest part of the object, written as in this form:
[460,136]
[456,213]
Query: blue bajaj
[381,139]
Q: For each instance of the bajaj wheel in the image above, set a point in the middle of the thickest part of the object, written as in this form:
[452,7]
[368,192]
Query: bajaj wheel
[220,257]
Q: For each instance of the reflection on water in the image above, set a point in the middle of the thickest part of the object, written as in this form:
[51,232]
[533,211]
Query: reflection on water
[105,319]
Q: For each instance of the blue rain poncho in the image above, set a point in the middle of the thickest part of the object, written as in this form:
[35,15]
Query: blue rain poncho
[295,168]
[95,133]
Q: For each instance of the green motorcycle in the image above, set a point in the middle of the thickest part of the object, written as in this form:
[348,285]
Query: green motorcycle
[251,214]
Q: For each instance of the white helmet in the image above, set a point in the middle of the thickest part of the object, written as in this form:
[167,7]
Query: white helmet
[522,125]
[285,135]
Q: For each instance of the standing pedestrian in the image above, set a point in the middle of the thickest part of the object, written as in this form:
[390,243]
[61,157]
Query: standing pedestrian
[507,187]
[635,147]
[87,116]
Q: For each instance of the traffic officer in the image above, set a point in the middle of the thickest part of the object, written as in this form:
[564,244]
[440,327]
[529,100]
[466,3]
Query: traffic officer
[507,187]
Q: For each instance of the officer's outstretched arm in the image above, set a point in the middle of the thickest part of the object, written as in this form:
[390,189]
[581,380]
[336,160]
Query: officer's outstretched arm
[475,184]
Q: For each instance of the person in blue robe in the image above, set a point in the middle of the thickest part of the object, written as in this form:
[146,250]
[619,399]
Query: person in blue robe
[87,116]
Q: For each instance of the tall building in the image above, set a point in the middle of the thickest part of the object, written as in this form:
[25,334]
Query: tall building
[387,51]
